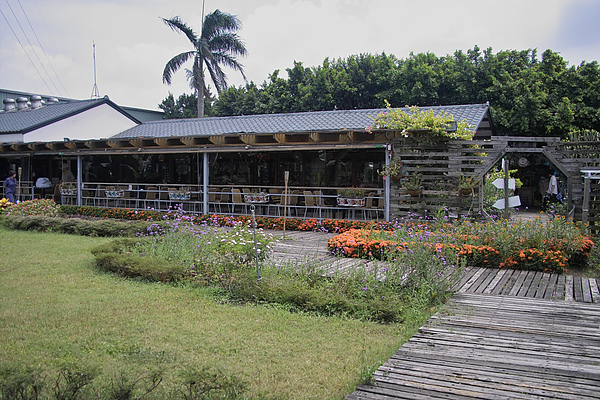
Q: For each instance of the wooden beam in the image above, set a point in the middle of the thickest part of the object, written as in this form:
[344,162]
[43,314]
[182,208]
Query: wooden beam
[119,144]
[192,141]
[258,139]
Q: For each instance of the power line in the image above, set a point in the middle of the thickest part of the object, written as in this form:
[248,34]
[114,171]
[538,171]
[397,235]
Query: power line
[23,47]
[31,45]
[42,47]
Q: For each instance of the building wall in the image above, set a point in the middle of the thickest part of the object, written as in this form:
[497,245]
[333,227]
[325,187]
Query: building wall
[97,123]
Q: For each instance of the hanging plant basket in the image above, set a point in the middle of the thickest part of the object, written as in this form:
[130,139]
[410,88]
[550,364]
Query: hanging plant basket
[414,192]
[465,191]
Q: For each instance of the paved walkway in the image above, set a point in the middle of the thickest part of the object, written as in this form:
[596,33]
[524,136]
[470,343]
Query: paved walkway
[504,335]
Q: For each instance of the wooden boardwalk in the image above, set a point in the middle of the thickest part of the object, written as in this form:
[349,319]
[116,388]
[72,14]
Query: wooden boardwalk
[505,334]
[534,284]
[497,347]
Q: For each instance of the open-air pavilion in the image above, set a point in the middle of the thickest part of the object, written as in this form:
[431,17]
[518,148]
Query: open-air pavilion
[225,164]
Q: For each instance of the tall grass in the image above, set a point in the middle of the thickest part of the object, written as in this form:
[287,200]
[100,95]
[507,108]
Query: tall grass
[56,310]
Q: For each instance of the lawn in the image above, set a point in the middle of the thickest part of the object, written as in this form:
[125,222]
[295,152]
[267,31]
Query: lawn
[57,310]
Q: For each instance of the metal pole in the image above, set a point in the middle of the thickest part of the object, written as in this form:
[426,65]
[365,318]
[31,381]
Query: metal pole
[252,208]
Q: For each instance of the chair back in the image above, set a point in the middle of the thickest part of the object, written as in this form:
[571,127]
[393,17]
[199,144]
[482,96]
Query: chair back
[151,193]
[237,196]
[319,198]
[309,199]
[293,198]
[225,195]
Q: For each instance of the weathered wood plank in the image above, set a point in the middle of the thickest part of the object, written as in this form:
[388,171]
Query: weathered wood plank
[586,290]
[497,347]
[551,287]
[534,284]
[559,291]
[594,290]
[518,283]
[577,288]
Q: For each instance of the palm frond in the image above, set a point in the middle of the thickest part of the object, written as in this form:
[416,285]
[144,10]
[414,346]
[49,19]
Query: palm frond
[177,25]
[174,64]
[219,22]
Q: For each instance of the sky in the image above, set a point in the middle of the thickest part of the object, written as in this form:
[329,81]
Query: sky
[46,46]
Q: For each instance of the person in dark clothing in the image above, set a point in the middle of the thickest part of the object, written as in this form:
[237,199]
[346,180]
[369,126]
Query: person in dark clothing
[10,186]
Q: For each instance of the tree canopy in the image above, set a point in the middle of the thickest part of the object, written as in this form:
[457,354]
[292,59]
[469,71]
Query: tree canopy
[528,94]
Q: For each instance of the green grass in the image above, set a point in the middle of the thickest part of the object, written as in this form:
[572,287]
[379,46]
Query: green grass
[55,308]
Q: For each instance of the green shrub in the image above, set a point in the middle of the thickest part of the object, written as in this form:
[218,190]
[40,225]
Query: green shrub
[75,226]
[116,257]
[21,382]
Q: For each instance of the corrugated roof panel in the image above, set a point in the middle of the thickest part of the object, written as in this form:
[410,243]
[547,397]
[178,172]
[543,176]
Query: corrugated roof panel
[291,122]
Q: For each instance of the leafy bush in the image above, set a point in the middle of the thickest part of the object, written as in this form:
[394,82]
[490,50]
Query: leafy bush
[75,226]
[74,383]
[21,382]
[116,257]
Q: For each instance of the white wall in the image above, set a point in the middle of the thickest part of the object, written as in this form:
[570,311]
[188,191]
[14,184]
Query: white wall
[100,122]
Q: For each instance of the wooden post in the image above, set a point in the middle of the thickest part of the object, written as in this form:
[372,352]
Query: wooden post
[286,178]
[505,167]
[586,200]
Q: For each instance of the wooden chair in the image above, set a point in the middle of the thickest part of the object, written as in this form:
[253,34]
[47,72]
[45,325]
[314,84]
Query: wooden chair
[237,199]
[214,199]
[226,197]
[293,201]
[151,197]
[310,203]
[323,206]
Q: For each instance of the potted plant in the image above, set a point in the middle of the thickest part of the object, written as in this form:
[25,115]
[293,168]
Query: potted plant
[67,189]
[352,196]
[256,197]
[467,184]
[395,170]
[413,184]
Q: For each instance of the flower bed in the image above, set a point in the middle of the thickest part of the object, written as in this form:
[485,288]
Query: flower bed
[551,247]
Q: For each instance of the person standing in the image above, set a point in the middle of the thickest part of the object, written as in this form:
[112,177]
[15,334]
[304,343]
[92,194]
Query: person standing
[10,186]
[553,188]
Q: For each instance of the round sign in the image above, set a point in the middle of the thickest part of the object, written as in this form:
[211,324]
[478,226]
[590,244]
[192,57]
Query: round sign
[523,162]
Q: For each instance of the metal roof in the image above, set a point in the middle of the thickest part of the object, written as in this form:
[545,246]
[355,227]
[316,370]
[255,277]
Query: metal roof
[29,119]
[314,121]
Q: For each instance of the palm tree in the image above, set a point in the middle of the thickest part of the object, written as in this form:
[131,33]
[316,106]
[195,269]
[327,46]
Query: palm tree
[217,45]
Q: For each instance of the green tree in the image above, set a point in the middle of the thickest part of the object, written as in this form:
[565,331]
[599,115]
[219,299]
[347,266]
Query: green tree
[217,45]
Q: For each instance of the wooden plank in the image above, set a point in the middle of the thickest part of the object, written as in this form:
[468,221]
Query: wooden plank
[485,272]
[577,288]
[497,278]
[526,283]
[469,272]
[594,290]
[534,284]
[550,289]
[505,282]
[518,283]
[542,286]
[471,280]
[559,290]
[585,289]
